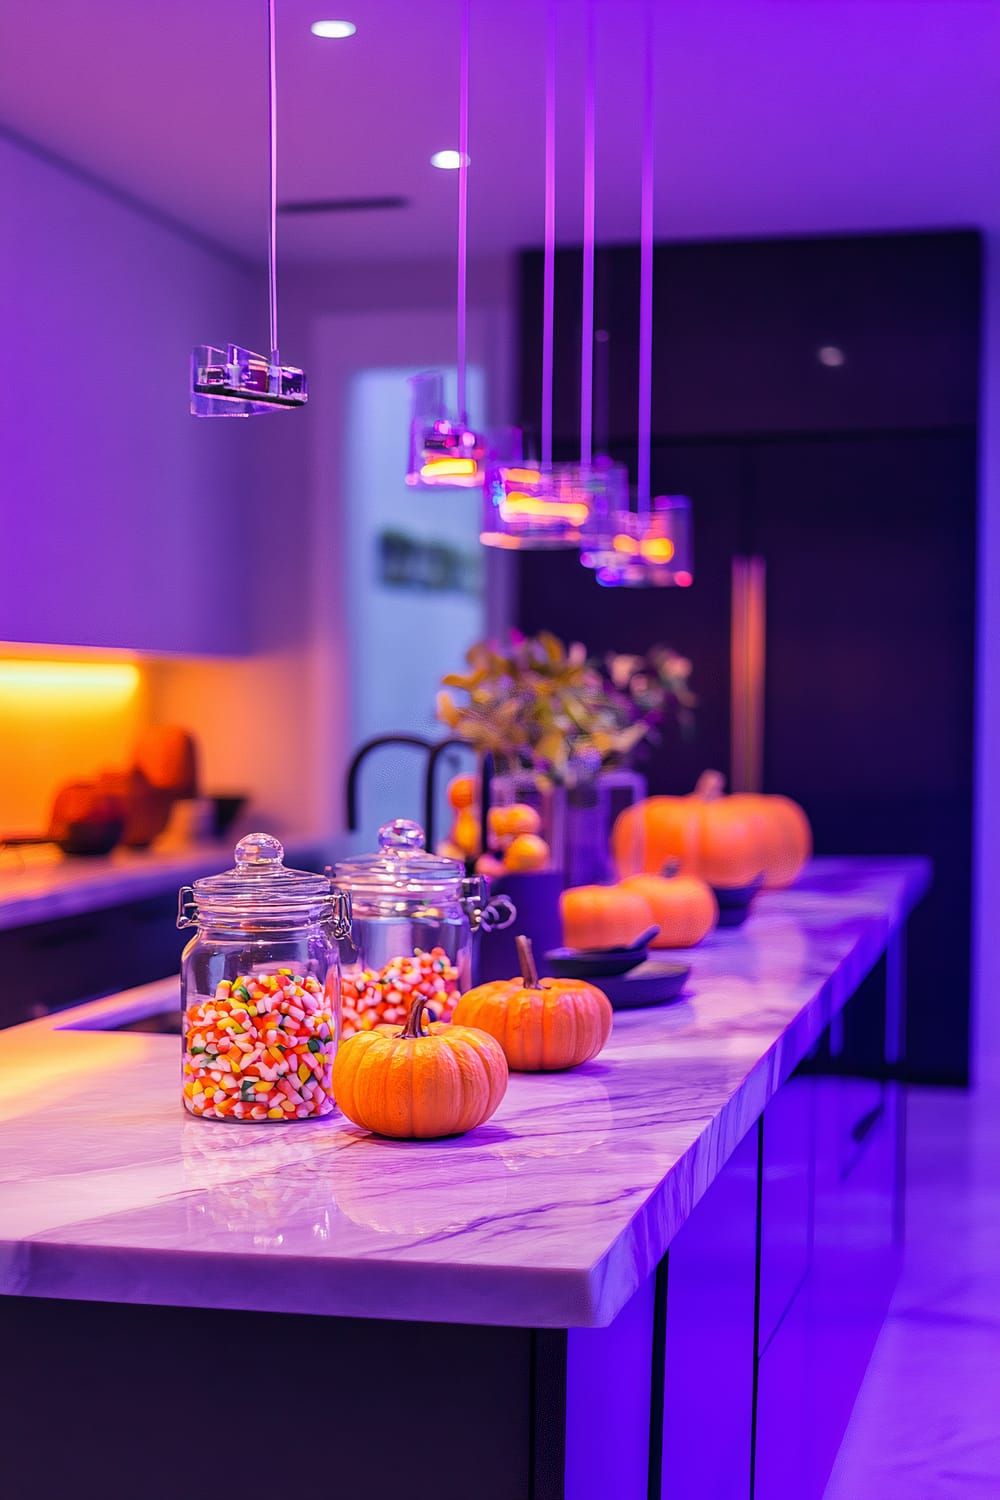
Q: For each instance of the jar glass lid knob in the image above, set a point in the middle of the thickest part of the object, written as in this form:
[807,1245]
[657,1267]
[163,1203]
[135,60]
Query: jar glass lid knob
[259,849]
[401,834]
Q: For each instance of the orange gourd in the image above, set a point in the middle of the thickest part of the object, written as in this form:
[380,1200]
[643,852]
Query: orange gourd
[527,852]
[684,907]
[782,833]
[419,1084]
[709,835]
[508,820]
[543,1025]
[602,916]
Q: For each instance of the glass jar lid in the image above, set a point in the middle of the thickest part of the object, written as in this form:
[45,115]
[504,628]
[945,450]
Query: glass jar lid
[259,886]
[402,867]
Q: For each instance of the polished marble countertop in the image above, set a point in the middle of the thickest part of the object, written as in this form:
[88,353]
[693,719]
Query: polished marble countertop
[42,885]
[549,1215]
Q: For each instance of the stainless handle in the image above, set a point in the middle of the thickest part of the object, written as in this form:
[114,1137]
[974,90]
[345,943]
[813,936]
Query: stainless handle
[500,914]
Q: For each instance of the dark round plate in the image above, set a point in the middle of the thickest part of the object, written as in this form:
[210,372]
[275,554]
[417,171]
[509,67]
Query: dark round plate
[654,983]
[592,963]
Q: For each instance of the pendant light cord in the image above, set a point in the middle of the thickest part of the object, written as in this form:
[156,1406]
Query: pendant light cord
[463,211]
[587,320]
[549,267]
[272,103]
[645,423]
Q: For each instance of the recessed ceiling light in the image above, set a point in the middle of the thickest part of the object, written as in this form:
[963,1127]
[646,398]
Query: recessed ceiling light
[831,356]
[336,29]
[448,161]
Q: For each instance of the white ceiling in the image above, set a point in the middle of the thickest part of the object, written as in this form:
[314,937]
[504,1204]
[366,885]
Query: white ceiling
[774,115]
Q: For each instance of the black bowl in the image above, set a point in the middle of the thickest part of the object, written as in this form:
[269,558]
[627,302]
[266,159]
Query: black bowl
[734,901]
[89,837]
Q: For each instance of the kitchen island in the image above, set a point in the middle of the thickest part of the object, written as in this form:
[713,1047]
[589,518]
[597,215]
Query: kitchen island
[618,1286]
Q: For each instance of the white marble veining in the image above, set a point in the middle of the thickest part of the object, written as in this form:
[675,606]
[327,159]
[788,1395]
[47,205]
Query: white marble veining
[549,1215]
[34,889]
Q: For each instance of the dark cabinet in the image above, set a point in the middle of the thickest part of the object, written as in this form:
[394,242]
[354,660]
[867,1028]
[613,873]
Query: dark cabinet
[739,330]
[68,960]
[856,483]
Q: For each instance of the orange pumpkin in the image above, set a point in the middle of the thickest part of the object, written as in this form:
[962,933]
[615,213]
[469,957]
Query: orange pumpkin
[527,852]
[603,916]
[709,835]
[419,1084]
[543,1025]
[166,756]
[463,792]
[782,833]
[684,907]
[509,820]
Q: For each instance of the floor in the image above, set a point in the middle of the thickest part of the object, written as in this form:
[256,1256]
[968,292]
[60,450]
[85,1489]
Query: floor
[926,1423]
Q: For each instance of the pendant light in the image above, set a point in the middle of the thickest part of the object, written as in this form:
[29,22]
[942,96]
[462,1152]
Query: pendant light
[650,546]
[445,452]
[529,507]
[236,382]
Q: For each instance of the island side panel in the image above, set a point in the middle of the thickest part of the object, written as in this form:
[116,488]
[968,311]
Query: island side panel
[709,1347]
[107,1401]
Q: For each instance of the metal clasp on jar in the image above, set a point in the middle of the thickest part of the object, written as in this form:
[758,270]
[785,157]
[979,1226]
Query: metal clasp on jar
[497,914]
[187,907]
[343,913]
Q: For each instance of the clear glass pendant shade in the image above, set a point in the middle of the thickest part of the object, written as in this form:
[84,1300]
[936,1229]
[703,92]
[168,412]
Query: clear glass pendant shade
[534,507]
[654,550]
[236,382]
[445,453]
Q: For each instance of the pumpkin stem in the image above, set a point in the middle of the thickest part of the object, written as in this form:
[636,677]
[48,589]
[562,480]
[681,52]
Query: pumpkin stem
[526,959]
[412,1027]
[670,868]
[710,786]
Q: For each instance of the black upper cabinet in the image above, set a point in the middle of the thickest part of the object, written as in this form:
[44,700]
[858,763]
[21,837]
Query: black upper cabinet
[740,327]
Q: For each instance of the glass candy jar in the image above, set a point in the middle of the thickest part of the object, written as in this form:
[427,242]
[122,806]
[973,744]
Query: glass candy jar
[414,914]
[260,988]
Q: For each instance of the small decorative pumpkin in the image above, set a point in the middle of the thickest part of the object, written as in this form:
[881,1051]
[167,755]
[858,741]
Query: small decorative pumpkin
[525,853]
[418,1084]
[463,792]
[603,916]
[684,907]
[507,821]
[782,833]
[711,836]
[543,1025]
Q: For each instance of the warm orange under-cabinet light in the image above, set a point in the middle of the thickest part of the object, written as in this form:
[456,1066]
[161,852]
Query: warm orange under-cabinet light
[67,681]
